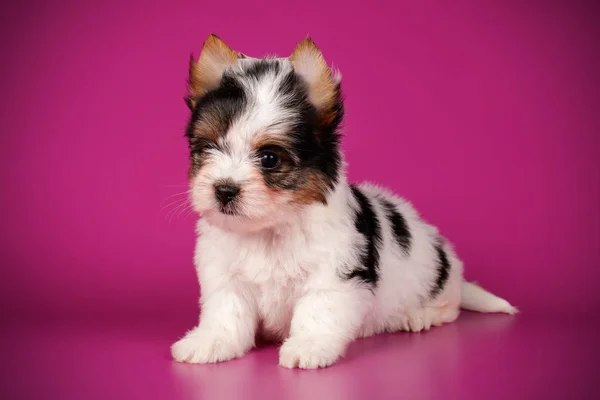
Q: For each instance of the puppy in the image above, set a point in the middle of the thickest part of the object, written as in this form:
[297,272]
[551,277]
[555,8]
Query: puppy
[288,250]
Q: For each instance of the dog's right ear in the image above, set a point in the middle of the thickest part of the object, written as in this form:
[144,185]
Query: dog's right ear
[206,73]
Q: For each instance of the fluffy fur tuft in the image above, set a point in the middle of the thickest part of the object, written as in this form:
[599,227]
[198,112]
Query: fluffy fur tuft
[287,248]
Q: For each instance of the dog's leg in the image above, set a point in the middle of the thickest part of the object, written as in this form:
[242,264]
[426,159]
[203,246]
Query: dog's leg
[325,321]
[226,330]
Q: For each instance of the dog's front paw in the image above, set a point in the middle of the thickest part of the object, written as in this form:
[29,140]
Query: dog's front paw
[202,346]
[310,352]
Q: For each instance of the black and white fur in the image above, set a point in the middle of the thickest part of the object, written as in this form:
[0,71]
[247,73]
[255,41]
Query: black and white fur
[288,249]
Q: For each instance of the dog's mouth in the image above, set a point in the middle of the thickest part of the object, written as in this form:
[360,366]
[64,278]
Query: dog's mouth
[228,210]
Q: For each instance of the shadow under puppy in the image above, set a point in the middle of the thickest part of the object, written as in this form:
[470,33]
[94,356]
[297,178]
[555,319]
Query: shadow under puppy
[287,248]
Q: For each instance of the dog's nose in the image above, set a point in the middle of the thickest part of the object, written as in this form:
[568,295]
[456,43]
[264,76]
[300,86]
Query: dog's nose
[226,193]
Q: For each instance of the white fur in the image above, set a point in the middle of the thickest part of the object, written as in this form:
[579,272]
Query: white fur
[287,278]
[279,269]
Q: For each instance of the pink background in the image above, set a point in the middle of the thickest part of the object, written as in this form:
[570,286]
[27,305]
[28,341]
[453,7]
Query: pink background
[485,114]
[486,117]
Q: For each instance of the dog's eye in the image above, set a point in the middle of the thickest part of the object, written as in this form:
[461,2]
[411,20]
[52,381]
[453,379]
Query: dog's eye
[269,160]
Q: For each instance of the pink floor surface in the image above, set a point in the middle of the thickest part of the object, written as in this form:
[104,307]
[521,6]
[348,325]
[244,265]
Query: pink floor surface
[478,357]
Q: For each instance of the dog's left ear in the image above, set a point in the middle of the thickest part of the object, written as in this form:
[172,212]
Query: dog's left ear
[207,72]
[323,84]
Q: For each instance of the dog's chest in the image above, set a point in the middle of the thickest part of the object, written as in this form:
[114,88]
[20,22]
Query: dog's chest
[274,272]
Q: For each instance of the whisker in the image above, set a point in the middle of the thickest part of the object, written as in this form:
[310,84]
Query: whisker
[177,202]
[185,210]
[174,211]
[190,212]
[180,214]
[187,192]
[176,205]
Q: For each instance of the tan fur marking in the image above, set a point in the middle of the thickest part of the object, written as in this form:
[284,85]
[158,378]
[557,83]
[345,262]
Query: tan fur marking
[208,128]
[309,63]
[264,139]
[206,73]
[314,187]
[312,191]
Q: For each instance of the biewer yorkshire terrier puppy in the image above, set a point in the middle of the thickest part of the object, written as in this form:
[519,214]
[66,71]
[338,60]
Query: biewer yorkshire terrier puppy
[289,250]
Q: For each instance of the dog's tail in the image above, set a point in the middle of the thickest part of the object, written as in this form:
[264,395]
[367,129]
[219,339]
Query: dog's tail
[475,298]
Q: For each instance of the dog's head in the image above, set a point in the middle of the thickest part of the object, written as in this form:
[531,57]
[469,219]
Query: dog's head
[263,134]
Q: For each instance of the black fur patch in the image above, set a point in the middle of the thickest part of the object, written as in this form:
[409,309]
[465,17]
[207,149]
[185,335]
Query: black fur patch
[315,147]
[316,142]
[398,225]
[260,68]
[367,224]
[443,270]
[219,106]
[222,104]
